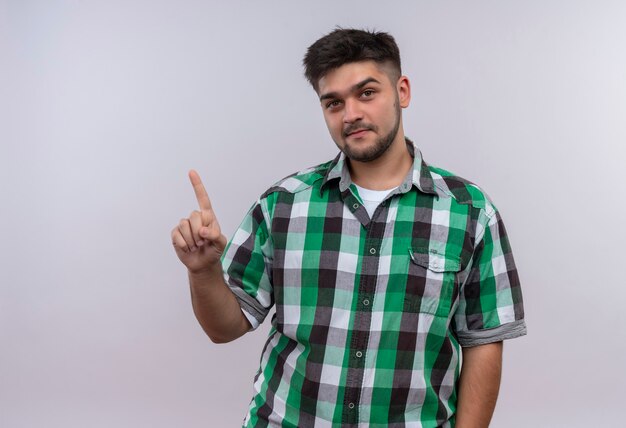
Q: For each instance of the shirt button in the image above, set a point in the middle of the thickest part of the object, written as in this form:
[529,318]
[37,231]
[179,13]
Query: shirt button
[372,250]
[355,206]
[359,354]
[366,302]
[351,405]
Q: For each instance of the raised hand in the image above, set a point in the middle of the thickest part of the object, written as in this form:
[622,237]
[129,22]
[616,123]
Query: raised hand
[198,240]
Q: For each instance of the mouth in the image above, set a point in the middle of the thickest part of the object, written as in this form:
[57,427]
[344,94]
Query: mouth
[358,133]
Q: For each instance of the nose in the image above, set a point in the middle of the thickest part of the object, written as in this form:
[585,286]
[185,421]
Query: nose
[351,111]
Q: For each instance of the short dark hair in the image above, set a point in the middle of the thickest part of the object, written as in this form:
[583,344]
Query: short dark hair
[343,46]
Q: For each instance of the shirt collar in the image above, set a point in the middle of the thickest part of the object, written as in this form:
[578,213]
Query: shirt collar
[419,176]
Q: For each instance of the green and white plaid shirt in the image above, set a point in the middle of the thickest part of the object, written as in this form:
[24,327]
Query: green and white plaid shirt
[370,312]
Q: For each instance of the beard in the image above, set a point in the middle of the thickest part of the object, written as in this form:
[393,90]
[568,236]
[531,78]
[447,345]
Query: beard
[381,145]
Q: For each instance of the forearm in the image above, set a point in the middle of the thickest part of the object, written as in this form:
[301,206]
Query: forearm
[216,307]
[479,385]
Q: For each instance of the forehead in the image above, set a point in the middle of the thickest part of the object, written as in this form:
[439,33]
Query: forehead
[343,78]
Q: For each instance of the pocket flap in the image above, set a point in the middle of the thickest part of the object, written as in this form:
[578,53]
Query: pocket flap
[435,260]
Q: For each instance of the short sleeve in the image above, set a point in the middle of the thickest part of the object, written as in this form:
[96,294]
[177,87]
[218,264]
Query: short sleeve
[490,307]
[247,265]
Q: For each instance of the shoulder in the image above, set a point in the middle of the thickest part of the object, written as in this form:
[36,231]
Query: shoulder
[300,181]
[461,189]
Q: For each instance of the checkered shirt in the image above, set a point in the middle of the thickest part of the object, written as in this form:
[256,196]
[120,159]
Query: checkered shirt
[370,312]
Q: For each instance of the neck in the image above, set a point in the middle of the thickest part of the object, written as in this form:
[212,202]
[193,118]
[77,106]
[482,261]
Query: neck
[386,172]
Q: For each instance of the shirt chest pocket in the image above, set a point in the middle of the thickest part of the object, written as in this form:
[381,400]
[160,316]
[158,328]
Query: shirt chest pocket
[432,281]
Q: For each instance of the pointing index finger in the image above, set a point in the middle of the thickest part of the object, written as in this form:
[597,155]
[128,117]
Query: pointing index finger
[198,188]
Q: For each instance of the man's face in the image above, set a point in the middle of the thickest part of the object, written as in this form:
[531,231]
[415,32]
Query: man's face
[362,108]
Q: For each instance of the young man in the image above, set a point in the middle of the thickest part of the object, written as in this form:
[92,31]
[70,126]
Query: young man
[383,269]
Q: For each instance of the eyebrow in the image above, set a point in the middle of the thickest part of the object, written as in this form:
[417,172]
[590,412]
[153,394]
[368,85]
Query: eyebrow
[354,87]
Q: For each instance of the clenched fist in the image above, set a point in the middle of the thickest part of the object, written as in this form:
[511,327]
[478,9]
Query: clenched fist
[198,240]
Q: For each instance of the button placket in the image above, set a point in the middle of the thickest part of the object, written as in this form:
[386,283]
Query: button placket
[363,316]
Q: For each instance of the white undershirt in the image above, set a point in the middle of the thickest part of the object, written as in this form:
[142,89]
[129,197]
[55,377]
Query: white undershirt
[372,198]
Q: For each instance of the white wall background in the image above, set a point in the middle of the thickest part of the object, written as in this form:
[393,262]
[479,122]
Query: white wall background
[105,105]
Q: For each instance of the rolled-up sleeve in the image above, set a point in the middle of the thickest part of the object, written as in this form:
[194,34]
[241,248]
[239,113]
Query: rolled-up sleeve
[490,304]
[247,265]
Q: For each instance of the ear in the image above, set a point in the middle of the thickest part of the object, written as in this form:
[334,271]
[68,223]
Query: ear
[404,91]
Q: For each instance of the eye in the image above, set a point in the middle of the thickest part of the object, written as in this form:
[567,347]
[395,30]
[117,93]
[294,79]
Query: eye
[333,104]
[367,93]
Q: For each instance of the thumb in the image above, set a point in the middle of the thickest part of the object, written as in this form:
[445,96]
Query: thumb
[213,235]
